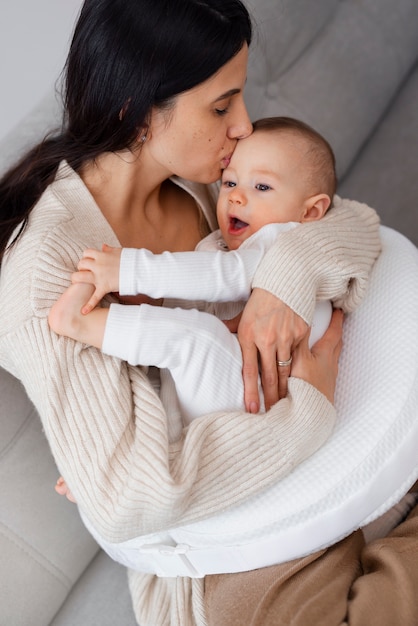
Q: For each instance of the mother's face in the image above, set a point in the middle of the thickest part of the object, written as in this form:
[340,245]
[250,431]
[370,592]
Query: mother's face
[196,139]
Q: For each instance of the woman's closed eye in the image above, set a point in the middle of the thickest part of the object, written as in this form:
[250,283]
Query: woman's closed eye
[221,111]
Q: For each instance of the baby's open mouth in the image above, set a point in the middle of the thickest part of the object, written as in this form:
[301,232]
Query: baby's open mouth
[235,224]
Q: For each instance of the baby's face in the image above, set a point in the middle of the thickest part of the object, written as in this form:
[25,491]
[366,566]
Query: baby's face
[263,184]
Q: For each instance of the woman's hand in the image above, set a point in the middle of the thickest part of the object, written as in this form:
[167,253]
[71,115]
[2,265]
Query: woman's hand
[268,328]
[319,365]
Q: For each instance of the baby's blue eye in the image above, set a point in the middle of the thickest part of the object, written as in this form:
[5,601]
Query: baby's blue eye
[229,183]
[262,187]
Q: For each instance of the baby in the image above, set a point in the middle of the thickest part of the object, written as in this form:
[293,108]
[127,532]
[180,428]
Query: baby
[280,177]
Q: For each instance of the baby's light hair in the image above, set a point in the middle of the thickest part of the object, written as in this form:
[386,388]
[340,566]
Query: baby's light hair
[321,172]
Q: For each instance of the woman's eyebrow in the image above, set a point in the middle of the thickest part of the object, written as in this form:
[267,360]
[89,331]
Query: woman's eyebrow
[227,94]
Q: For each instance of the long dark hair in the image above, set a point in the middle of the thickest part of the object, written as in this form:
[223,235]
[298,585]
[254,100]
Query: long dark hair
[126,56]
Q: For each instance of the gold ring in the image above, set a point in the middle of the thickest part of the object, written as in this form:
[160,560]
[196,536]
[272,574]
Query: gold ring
[285,363]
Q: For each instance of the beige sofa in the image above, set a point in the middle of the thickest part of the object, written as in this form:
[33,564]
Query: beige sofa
[347,67]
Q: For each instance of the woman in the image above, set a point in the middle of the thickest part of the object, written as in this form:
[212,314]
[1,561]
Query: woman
[154,91]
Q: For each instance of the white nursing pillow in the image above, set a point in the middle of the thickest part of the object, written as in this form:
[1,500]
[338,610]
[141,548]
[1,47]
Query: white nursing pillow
[367,465]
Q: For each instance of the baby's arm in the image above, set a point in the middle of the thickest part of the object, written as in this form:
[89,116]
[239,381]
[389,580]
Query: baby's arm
[213,276]
[210,276]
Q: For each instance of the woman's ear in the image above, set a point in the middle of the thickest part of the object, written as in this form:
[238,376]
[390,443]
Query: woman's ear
[144,134]
[316,207]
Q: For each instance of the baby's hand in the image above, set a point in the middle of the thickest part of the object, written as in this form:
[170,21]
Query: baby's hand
[101,269]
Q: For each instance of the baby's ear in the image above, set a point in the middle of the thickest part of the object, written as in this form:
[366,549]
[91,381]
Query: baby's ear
[316,207]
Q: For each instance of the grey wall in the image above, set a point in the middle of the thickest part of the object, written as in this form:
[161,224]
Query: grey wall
[34,38]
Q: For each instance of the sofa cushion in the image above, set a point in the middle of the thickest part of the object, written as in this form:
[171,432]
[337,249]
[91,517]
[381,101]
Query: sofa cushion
[340,79]
[385,173]
[100,598]
[283,30]
[42,539]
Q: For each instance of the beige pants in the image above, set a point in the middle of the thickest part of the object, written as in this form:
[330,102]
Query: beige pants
[350,583]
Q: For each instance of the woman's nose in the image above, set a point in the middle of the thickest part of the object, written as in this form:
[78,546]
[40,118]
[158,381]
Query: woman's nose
[242,126]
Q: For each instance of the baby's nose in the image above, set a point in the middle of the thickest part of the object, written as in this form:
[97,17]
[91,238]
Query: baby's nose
[236,196]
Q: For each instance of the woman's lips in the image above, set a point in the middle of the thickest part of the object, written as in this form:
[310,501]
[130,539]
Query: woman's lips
[226,160]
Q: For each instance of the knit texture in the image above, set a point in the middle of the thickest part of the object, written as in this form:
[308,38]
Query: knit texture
[105,424]
[333,260]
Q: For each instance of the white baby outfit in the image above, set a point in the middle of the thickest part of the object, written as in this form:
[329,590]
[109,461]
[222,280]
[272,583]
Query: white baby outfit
[201,354]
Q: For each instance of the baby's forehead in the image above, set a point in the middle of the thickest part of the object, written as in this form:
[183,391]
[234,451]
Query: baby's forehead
[279,138]
[271,144]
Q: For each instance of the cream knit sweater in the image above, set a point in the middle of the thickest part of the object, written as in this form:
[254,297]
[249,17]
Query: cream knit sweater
[106,426]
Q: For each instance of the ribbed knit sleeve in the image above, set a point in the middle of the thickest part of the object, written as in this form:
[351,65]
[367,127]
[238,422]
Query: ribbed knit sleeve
[330,259]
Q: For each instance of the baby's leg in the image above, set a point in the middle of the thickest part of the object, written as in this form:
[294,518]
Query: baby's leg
[203,357]
[207,369]
[65,317]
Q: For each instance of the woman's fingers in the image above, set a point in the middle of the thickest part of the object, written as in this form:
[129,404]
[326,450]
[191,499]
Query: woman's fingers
[283,372]
[269,376]
[268,332]
[250,376]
